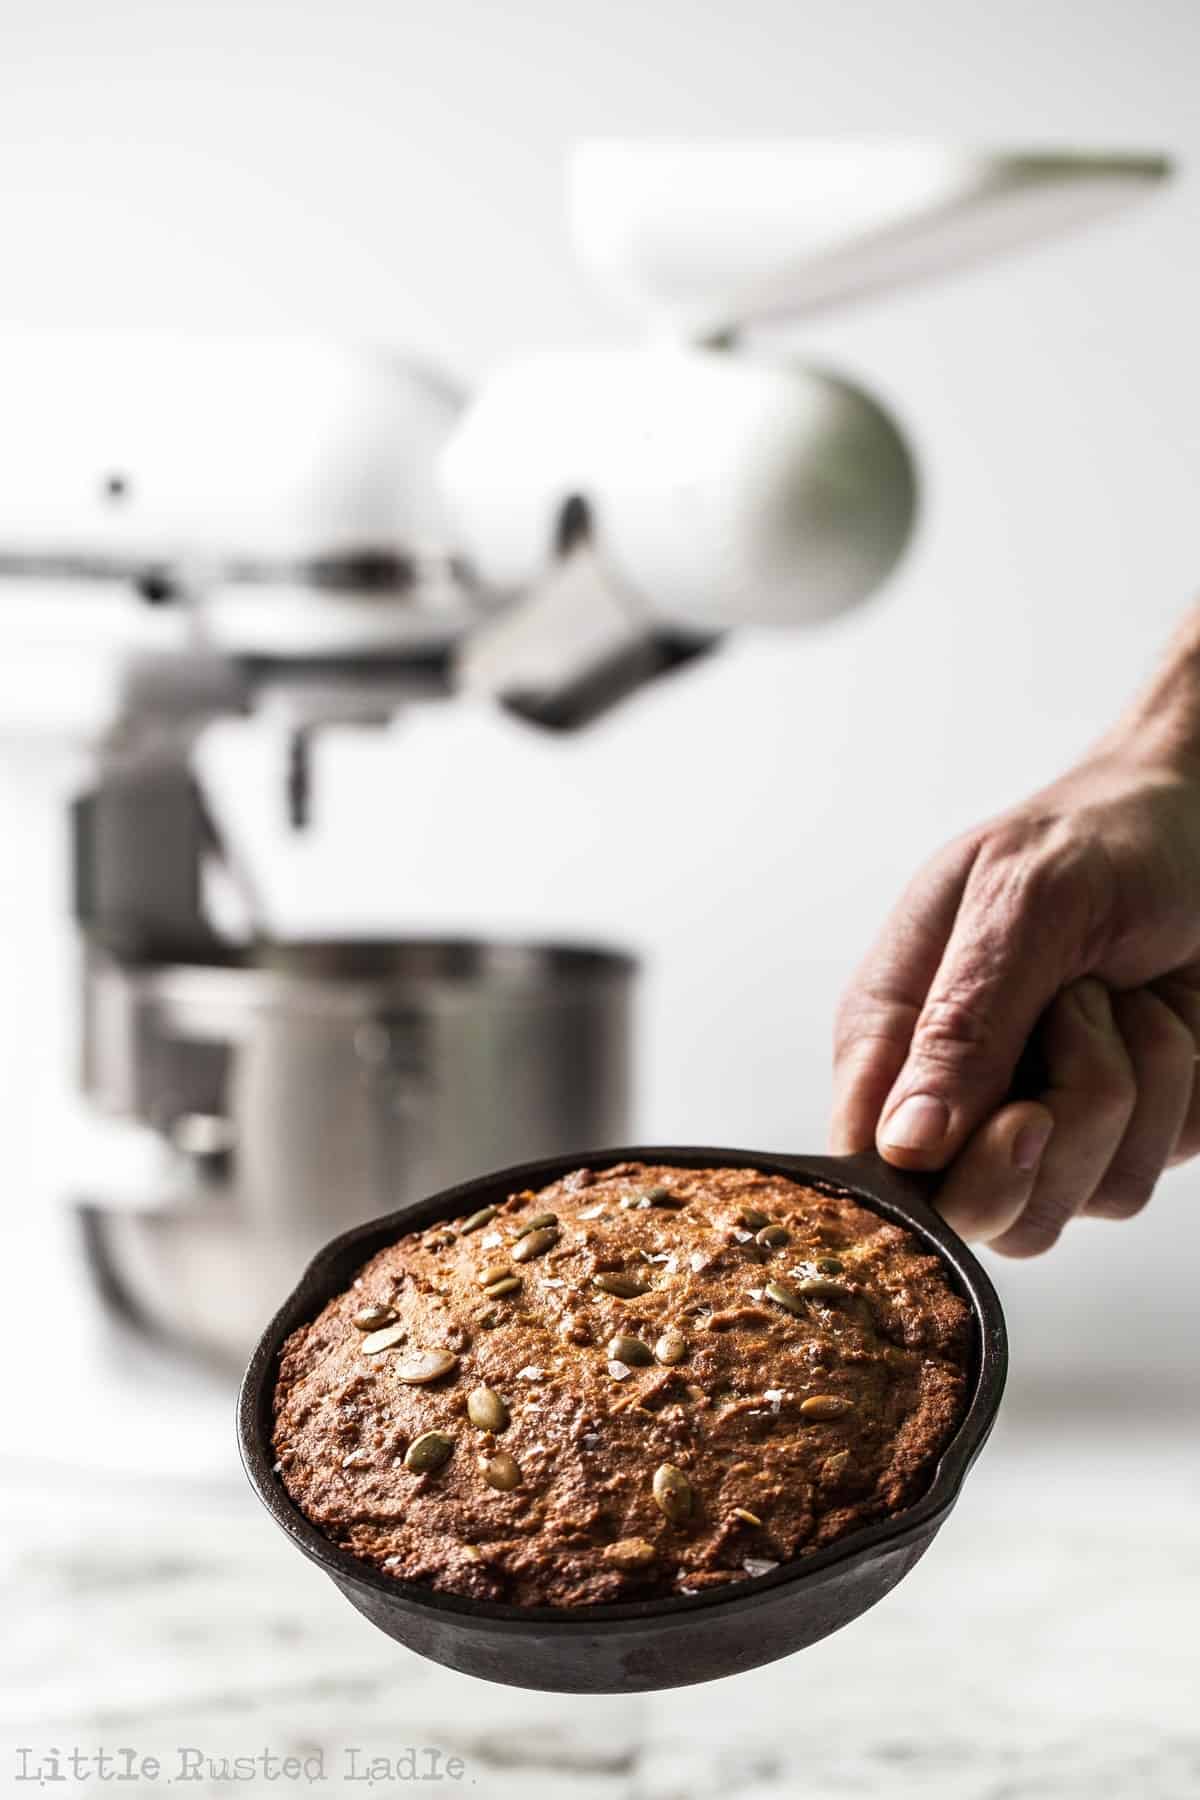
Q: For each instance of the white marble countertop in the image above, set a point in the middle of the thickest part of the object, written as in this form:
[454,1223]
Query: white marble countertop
[1046,1646]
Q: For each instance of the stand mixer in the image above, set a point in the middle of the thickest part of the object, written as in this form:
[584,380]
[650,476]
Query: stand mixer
[318,537]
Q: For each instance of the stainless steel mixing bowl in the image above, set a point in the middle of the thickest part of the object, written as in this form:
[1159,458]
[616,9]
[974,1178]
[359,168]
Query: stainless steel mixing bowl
[287,1096]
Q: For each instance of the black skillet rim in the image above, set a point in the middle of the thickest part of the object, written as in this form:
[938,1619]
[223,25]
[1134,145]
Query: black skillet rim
[882,1189]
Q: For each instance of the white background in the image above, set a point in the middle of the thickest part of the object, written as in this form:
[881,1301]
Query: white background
[392,171]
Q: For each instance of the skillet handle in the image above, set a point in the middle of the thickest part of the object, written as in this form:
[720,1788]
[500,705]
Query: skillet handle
[916,1188]
[911,1190]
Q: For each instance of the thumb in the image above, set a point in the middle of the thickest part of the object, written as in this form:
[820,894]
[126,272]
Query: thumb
[883,1001]
[1011,948]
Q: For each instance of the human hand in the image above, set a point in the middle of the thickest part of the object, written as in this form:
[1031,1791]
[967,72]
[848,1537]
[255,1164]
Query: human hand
[1079,909]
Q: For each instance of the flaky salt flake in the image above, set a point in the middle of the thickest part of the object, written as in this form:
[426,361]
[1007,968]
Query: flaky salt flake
[531,1372]
[552,1281]
[593,1212]
[759,1565]
[492,1241]
[619,1370]
[671,1266]
[755,1293]
[698,1261]
[354,1457]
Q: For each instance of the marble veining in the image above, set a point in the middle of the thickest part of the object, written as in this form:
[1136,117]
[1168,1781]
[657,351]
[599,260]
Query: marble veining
[1041,1649]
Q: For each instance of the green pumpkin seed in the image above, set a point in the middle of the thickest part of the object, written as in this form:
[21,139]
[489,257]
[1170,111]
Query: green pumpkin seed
[624,1287]
[503,1473]
[629,1350]
[630,1554]
[538,1222]
[830,1265]
[424,1366]
[374,1318]
[493,1271]
[835,1468]
[752,1218]
[773,1237]
[672,1493]
[824,1406]
[477,1220]
[536,1244]
[486,1409]
[508,1284]
[817,1288]
[428,1452]
[786,1297]
[670,1349]
[383,1340]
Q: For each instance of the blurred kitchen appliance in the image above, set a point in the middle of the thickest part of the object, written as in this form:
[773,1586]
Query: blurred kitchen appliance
[313,536]
[268,1098]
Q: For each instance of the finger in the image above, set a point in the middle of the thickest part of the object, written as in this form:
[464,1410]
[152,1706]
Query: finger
[883,1002]
[1016,940]
[1181,992]
[991,1182]
[1163,1053]
[1092,1097]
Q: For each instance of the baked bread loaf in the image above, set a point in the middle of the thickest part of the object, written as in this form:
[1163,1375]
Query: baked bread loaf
[639,1382]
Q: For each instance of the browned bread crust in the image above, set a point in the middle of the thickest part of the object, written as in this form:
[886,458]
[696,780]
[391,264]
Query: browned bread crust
[772,1395]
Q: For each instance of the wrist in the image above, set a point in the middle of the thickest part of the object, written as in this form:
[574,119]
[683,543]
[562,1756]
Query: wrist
[1161,729]
[1167,746]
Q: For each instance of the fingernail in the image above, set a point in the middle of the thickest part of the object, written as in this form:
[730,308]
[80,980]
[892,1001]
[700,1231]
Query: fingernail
[918,1123]
[1030,1143]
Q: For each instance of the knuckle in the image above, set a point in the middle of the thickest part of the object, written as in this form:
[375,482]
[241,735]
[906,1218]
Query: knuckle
[1187,1144]
[959,854]
[1039,868]
[1041,1224]
[952,1032]
[1016,859]
[1005,881]
[1123,1193]
[1112,1097]
[1031,1236]
[1156,1034]
[1128,1183]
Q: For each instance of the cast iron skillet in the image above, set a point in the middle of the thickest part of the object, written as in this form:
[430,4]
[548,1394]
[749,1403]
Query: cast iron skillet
[650,1643]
